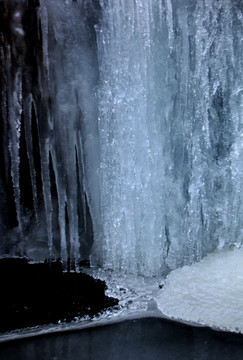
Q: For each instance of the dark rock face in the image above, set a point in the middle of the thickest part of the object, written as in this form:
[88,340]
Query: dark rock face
[45,49]
[35,294]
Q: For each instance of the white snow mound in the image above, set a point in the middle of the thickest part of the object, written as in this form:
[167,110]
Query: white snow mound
[209,292]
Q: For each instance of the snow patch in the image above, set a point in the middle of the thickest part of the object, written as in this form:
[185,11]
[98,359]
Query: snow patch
[208,292]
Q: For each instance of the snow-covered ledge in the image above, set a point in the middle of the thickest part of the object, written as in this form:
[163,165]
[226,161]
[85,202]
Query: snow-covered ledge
[208,292]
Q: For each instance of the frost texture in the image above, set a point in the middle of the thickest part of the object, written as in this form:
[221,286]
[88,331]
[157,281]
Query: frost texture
[170,125]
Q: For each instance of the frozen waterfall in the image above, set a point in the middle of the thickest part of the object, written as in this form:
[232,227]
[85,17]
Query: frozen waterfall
[121,131]
[170,127]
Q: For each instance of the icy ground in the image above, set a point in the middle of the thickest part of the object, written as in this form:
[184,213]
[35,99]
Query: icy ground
[206,293]
[136,294]
[209,292]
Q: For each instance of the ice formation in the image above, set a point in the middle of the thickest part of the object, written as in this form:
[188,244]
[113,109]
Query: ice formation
[121,141]
[121,124]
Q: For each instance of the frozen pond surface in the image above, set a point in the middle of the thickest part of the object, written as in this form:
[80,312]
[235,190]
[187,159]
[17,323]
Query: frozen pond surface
[145,338]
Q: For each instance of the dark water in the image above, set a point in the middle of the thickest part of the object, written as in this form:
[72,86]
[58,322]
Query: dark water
[147,338]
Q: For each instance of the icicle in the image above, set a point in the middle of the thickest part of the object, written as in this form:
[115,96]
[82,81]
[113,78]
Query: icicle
[44,29]
[62,225]
[29,102]
[45,148]
[73,231]
[161,7]
[72,208]
[169,19]
[80,153]
[15,113]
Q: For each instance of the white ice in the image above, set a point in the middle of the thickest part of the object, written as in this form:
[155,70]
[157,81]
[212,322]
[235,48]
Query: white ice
[209,292]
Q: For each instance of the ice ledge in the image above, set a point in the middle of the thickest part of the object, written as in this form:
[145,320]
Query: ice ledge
[208,293]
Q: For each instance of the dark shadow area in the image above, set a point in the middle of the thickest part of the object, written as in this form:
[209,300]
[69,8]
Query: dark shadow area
[148,338]
[35,294]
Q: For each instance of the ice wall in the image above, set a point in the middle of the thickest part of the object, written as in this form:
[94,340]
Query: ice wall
[49,128]
[170,124]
